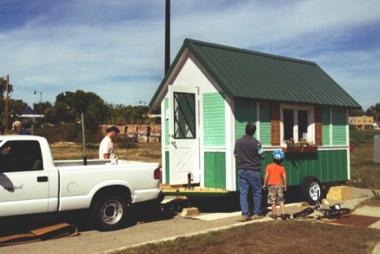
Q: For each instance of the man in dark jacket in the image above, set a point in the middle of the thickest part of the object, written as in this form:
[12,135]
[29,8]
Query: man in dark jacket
[249,153]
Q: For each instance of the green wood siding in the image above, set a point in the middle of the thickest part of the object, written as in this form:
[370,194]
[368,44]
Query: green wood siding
[265,124]
[167,167]
[339,127]
[325,126]
[245,111]
[215,169]
[166,107]
[327,166]
[214,119]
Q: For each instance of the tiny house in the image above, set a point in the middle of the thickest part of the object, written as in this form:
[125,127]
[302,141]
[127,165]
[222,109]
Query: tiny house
[210,93]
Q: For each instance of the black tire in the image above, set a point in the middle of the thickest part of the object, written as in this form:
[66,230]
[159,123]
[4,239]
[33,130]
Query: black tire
[305,212]
[109,212]
[344,212]
[311,190]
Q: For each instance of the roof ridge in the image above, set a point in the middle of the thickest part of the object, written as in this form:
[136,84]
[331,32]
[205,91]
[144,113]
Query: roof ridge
[248,51]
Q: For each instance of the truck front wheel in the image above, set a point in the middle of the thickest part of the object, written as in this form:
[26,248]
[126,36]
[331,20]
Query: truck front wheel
[109,212]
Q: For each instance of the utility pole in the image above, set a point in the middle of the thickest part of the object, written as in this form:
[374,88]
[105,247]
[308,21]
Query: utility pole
[6,104]
[167,35]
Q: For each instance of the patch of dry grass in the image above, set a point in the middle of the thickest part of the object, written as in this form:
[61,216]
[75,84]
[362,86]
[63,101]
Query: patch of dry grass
[140,152]
[273,237]
[364,172]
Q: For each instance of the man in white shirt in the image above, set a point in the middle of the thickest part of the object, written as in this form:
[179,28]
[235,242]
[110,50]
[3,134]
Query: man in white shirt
[106,147]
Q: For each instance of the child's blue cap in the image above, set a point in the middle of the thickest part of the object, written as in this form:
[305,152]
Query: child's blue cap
[278,155]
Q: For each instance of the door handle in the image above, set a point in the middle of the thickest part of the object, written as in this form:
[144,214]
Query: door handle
[42,178]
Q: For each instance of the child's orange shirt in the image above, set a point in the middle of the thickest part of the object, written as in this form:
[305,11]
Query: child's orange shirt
[275,173]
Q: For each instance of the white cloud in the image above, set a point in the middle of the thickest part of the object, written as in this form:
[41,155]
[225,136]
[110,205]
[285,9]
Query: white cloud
[357,71]
[89,44]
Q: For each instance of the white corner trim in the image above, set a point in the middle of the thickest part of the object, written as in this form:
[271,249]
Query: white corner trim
[163,140]
[229,134]
[348,149]
[233,160]
[331,126]
[258,131]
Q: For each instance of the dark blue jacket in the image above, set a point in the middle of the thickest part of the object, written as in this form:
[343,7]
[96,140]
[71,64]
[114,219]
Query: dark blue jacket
[248,153]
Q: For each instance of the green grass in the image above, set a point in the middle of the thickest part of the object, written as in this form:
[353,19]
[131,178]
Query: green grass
[364,172]
[273,237]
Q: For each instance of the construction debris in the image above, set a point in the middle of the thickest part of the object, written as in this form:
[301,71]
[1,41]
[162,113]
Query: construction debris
[41,234]
[190,212]
[339,193]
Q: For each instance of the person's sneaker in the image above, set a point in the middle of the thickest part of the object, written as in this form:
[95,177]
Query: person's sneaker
[284,216]
[244,218]
[273,216]
[256,217]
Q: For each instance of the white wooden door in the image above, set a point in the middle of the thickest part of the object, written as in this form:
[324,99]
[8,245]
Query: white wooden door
[184,134]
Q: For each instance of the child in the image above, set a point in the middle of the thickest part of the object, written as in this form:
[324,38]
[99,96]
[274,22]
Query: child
[275,177]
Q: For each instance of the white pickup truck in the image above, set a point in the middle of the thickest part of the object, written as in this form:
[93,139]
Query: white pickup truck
[31,182]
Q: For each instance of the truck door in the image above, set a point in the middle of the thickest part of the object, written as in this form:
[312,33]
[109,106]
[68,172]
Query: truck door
[23,181]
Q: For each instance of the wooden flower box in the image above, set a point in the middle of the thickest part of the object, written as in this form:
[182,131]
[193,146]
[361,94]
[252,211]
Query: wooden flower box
[300,149]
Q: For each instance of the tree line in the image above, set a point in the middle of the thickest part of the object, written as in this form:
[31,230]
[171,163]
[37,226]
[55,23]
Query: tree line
[68,106]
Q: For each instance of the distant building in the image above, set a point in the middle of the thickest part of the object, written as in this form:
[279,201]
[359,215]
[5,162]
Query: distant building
[361,122]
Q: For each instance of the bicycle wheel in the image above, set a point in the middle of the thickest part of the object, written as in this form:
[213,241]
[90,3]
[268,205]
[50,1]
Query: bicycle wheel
[305,212]
[344,211]
[336,214]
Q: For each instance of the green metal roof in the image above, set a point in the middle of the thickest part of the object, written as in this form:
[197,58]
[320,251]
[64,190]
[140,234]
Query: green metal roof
[250,74]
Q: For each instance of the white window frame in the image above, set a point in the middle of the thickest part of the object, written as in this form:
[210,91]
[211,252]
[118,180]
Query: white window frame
[310,127]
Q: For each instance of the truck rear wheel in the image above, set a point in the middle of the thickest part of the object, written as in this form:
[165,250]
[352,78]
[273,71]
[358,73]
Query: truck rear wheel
[109,212]
[311,190]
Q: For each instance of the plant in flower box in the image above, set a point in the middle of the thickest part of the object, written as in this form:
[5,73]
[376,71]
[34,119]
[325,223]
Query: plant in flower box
[302,146]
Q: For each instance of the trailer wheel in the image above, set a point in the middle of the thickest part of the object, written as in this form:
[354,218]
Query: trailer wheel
[109,212]
[311,190]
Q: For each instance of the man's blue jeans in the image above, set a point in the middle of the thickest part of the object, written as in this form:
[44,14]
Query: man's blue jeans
[247,179]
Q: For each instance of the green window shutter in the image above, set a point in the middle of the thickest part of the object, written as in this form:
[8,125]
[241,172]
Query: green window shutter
[339,126]
[325,126]
[214,119]
[265,123]
[166,107]
[245,111]
[215,169]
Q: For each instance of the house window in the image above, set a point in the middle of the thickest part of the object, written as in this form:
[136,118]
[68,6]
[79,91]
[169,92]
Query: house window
[296,123]
[288,124]
[184,116]
[303,124]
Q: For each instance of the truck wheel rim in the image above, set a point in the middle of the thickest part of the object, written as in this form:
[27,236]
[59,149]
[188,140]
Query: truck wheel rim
[314,191]
[111,211]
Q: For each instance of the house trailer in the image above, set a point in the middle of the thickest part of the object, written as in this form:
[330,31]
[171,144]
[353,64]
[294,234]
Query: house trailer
[211,91]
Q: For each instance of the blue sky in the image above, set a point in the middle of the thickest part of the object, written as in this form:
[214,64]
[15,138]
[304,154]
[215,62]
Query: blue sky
[115,47]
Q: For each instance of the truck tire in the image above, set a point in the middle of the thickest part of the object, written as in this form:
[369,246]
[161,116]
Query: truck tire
[311,190]
[109,212]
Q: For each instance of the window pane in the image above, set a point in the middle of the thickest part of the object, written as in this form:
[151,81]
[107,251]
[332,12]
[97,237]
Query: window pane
[288,124]
[302,124]
[18,156]
[184,116]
